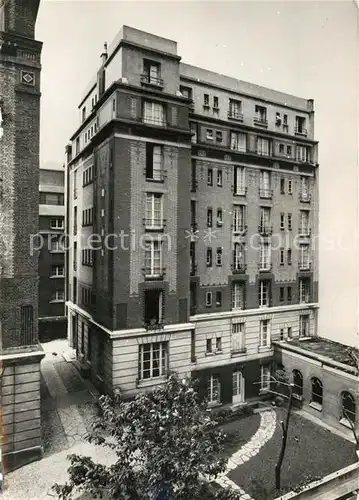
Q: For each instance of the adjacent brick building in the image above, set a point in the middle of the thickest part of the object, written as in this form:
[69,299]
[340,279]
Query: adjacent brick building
[52,319]
[19,173]
[192,176]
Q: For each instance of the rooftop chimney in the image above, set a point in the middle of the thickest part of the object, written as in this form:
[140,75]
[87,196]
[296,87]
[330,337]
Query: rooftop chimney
[104,54]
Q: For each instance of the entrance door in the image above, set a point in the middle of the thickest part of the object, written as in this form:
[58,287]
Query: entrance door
[237,387]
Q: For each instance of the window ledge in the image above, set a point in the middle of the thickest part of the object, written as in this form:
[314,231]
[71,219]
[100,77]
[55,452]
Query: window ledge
[297,397]
[209,353]
[218,351]
[239,352]
[265,390]
[54,276]
[316,406]
[148,382]
[264,348]
[57,251]
[345,422]
[57,301]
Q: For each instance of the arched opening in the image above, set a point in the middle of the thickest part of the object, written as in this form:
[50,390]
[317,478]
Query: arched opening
[317,393]
[298,383]
[348,407]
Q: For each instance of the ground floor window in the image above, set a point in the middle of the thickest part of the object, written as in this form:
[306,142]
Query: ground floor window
[213,389]
[348,407]
[317,393]
[297,383]
[265,377]
[153,359]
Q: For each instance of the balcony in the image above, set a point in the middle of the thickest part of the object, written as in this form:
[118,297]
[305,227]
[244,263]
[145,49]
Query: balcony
[304,266]
[265,230]
[305,197]
[152,80]
[153,324]
[235,115]
[155,274]
[193,269]
[239,229]
[260,121]
[240,191]
[305,232]
[301,131]
[265,267]
[266,193]
[154,225]
[194,185]
[238,268]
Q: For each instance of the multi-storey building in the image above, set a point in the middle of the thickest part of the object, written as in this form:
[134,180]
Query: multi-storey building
[19,219]
[52,319]
[192,203]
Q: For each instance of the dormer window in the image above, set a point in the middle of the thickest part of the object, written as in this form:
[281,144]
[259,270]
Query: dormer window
[151,73]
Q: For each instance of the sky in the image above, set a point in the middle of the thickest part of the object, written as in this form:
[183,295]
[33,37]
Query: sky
[305,48]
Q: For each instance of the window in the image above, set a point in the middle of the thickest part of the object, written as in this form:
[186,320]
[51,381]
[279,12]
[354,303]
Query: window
[290,186]
[210,177]
[193,177]
[297,383]
[192,257]
[317,393]
[348,407]
[304,188]
[285,120]
[289,222]
[289,256]
[215,102]
[263,146]
[58,296]
[304,257]
[209,345]
[219,256]
[289,294]
[238,297]
[304,325]
[209,217]
[281,149]
[153,359]
[84,113]
[278,120]
[265,217]
[219,177]
[209,134]
[300,125]
[282,224]
[209,257]
[289,332]
[265,377]
[87,257]
[153,310]
[193,346]
[186,92]
[219,136]
[304,222]
[75,257]
[260,114]
[75,221]
[238,141]
[265,184]
[281,256]
[289,150]
[87,217]
[239,181]
[218,299]
[154,113]
[219,217]
[282,184]
[239,257]
[218,343]
[27,325]
[238,218]
[264,293]
[153,258]
[281,294]
[154,210]
[152,72]
[238,337]
[56,224]
[235,109]
[51,199]
[57,271]
[264,340]
[193,129]
[208,299]
[154,162]
[206,100]
[301,153]
[57,245]
[213,390]
[304,290]
[265,256]
[87,176]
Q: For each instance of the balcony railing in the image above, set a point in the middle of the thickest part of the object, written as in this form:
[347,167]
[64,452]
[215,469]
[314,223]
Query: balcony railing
[263,152]
[153,324]
[154,225]
[265,193]
[239,268]
[265,230]
[239,229]
[264,267]
[235,351]
[151,80]
[301,131]
[235,115]
[240,191]
[260,121]
[155,274]
[306,299]
[157,176]
[154,120]
[305,232]
[194,185]
[304,266]
[305,197]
